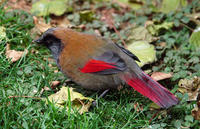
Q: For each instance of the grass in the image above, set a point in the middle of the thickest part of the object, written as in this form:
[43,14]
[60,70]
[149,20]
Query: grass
[31,73]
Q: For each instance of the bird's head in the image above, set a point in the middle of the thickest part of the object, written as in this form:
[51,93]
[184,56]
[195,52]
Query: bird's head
[51,41]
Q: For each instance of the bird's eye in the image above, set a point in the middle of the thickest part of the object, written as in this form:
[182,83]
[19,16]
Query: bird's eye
[54,48]
[49,42]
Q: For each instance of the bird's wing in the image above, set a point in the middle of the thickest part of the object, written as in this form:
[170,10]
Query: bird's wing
[105,64]
[128,52]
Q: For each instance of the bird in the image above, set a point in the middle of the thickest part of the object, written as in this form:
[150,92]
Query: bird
[97,63]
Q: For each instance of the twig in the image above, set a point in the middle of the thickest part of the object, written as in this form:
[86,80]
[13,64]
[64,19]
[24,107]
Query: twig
[117,32]
[24,97]
[109,20]
[154,116]
[187,26]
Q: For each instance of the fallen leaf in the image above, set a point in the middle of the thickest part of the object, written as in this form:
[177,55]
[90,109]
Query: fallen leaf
[190,86]
[78,101]
[44,89]
[58,7]
[87,15]
[137,107]
[55,71]
[50,65]
[134,4]
[160,76]
[60,21]
[123,5]
[193,15]
[195,38]
[196,110]
[40,24]
[144,51]
[140,33]
[154,106]
[46,7]
[2,33]
[196,113]
[172,5]
[13,54]
[19,4]
[54,84]
[162,44]
[155,29]
[97,32]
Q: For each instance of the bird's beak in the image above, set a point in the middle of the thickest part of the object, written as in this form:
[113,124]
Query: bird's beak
[39,40]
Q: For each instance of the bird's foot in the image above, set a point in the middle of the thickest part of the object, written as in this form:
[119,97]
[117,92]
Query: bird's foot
[94,103]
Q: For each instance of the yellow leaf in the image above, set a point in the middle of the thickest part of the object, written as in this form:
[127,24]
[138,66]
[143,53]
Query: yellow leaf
[190,86]
[144,51]
[78,101]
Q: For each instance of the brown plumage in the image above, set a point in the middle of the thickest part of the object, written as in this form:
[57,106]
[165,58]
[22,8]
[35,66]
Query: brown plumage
[96,63]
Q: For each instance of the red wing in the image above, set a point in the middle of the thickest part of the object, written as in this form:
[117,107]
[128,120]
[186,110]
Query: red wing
[107,63]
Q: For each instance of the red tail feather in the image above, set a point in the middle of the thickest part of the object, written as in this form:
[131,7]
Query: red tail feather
[151,89]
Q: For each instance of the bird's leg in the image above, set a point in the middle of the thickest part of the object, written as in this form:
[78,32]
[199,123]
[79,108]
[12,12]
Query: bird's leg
[104,93]
[94,103]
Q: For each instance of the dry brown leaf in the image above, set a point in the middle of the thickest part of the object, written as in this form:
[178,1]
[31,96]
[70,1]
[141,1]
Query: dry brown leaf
[160,76]
[40,24]
[120,87]
[82,26]
[147,23]
[196,113]
[44,89]
[34,51]
[123,5]
[162,44]
[55,71]
[54,84]
[191,87]
[50,65]
[19,4]
[97,32]
[196,110]
[13,54]
[137,107]
[60,21]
